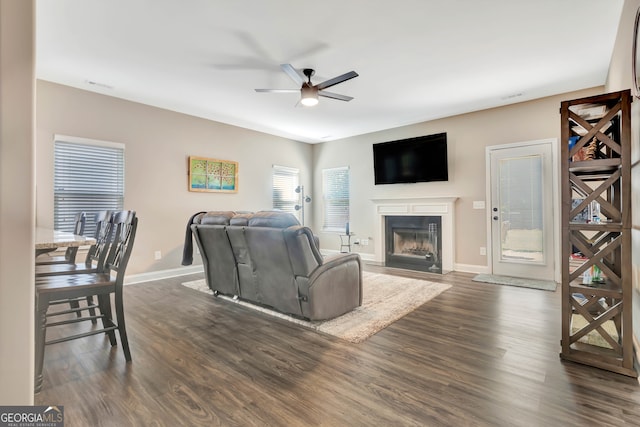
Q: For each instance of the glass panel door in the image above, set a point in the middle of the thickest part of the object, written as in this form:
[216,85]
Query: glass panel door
[522,239]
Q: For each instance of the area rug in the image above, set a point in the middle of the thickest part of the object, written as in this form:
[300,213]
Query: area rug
[545,285]
[594,337]
[385,299]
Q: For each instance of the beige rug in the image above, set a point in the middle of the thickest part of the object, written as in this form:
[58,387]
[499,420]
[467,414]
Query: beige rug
[594,337]
[385,299]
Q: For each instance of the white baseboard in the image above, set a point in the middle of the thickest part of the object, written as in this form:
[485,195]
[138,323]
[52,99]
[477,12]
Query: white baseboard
[472,268]
[364,257]
[162,274]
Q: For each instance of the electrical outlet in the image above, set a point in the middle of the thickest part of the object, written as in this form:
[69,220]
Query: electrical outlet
[478,204]
[364,242]
[157,255]
[483,250]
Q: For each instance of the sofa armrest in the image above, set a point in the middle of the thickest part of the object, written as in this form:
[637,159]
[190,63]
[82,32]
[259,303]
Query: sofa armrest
[333,288]
[339,258]
[334,261]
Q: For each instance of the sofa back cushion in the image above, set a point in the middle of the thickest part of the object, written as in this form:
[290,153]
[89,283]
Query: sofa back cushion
[241,219]
[303,251]
[272,268]
[215,218]
[272,219]
[218,259]
[248,283]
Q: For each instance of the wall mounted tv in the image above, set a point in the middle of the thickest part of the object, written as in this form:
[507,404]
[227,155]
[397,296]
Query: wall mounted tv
[419,159]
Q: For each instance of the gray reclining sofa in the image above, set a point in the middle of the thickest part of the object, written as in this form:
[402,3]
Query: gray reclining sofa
[268,258]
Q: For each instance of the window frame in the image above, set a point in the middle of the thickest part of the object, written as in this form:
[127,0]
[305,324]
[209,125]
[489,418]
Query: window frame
[68,171]
[286,204]
[339,224]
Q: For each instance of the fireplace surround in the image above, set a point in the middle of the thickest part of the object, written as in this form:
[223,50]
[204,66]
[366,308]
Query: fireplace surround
[441,207]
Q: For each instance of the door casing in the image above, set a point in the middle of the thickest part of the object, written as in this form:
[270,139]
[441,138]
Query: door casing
[553,142]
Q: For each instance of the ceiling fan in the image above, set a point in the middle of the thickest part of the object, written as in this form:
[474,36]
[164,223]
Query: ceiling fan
[310,92]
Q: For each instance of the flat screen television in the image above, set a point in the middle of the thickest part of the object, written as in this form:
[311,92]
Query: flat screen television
[419,159]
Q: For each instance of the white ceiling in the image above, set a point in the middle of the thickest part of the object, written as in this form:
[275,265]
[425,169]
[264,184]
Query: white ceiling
[418,60]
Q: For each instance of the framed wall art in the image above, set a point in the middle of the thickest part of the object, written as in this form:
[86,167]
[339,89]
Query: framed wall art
[213,175]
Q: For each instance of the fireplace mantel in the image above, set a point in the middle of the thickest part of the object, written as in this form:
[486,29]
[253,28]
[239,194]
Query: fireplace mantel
[413,200]
[417,206]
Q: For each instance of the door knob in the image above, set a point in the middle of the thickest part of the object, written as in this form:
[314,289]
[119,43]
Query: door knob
[495,218]
[495,209]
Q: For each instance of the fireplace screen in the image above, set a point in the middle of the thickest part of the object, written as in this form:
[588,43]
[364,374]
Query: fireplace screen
[414,243]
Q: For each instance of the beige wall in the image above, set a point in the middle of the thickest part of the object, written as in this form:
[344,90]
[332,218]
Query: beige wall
[467,135]
[620,78]
[16,201]
[158,143]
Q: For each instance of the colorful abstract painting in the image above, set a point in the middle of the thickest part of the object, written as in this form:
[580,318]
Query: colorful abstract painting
[213,175]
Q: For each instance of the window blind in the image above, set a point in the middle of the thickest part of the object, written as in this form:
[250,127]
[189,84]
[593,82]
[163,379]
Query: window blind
[285,182]
[335,193]
[88,177]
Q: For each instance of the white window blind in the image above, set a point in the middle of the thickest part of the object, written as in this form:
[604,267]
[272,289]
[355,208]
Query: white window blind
[285,182]
[88,177]
[335,193]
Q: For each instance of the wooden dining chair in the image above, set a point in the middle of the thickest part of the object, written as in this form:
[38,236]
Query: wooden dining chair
[96,256]
[102,284]
[94,263]
[69,256]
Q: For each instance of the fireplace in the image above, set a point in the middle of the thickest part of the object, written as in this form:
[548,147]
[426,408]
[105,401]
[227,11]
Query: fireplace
[441,207]
[414,242]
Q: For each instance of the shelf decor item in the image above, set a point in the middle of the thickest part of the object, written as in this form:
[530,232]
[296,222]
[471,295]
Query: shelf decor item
[596,250]
[213,175]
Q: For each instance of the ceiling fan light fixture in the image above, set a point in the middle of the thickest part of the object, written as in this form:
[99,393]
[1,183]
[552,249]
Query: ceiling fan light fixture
[308,91]
[309,95]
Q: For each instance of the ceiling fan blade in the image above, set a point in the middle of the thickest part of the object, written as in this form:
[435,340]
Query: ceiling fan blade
[278,90]
[334,81]
[334,95]
[293,73]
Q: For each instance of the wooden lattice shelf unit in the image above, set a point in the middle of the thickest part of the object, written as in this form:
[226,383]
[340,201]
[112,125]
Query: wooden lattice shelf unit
[596,232]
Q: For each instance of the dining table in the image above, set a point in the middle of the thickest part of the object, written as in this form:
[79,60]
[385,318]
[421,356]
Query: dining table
[48,239]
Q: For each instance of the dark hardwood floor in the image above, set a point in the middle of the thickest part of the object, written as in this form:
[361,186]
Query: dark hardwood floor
[476,355]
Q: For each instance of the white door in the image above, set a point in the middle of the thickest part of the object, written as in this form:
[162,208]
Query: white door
[522,213]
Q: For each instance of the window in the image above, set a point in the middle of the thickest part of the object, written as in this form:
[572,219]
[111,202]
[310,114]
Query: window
[335,193]
[285,182]
[89,177]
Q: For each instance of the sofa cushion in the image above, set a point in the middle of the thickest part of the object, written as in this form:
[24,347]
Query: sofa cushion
[303,252]
[215,218]
[248,282]
[241,219]
[273,219]
[218,259]
[272,269]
